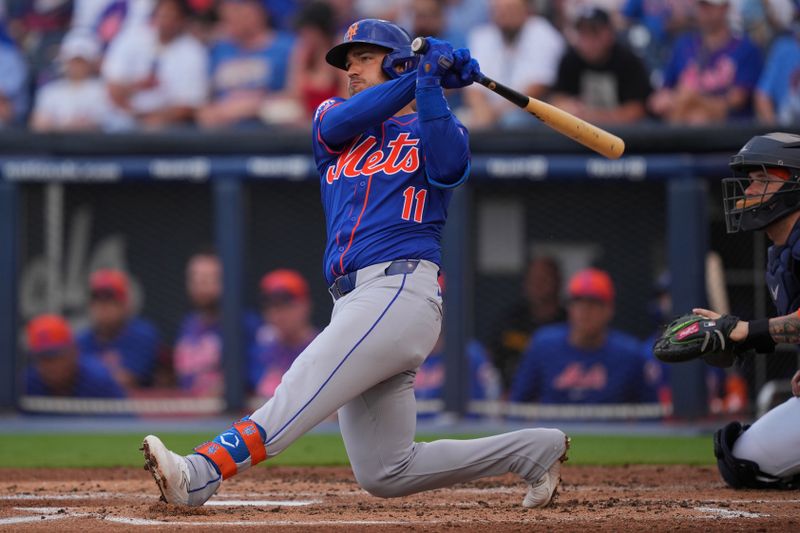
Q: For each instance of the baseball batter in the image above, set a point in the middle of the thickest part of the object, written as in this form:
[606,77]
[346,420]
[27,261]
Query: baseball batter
[388,158]
[764,195]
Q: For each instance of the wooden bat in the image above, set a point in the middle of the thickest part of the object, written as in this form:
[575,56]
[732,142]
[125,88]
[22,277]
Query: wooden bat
[589,135]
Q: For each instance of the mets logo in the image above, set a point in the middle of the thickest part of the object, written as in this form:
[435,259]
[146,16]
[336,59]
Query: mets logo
[351,32]
[354,161]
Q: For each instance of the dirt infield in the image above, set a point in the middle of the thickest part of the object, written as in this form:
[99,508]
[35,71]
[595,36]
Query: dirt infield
[635,498]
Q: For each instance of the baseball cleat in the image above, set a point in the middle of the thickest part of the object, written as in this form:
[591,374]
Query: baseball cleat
[543,492]
[169,470]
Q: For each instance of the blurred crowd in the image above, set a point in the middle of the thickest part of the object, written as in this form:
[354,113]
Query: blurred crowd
[555,345]
[116,65]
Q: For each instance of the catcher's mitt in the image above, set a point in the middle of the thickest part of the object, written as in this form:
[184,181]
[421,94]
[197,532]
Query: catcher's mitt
[693,336]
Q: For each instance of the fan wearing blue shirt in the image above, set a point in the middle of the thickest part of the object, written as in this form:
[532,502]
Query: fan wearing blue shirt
[584,361]
[55,367]
[248,64]
[126,345]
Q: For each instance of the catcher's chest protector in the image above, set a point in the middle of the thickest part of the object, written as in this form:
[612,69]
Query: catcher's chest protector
[783,263]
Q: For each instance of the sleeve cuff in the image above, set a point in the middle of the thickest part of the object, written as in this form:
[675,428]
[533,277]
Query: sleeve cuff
[442,185]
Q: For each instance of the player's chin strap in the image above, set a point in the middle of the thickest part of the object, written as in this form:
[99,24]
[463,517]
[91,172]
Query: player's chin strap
[237,449]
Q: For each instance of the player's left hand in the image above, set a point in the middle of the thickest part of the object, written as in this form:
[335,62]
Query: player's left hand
[464,71]
[435,62]
[796,384]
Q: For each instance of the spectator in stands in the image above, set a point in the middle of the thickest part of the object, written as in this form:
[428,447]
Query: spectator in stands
[38,28]
[248,66]
[762,20]
[57,369]
[652,26]
[310,81]
[125,344]
[599,79]
[712,73]
[430,18]
[539,306]
[78,101]
[583,361]
[158,74]
[777,97]
[519,49]
[109,18]
[197,357]
[286,331]
[13,81]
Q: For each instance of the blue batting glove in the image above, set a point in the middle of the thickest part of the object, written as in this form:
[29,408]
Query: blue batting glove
[464,71]
[434,63]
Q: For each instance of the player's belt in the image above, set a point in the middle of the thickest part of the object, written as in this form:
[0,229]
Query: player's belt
[346,283]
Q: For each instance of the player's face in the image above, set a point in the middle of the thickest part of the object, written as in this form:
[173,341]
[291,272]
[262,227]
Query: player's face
[57,371]
[204,281]
[289,317]
[762,186]
[364,68]
[589,318]
[107,313]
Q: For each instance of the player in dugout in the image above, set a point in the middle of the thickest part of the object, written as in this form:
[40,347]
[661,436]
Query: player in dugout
[58,369]
[763,195]
[584,360]
[388,158]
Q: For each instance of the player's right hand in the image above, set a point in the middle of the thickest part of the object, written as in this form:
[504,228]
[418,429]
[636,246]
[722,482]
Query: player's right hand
[464,71]
[796,384]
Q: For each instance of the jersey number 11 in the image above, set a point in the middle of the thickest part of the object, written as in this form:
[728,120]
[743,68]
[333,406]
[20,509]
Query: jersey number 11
[411,195]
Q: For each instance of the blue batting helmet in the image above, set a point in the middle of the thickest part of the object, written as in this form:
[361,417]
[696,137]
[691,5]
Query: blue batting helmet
[379,33]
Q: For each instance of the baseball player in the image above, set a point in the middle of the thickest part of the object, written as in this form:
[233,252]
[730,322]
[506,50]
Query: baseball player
[583,360]
[764,195]
[388,158]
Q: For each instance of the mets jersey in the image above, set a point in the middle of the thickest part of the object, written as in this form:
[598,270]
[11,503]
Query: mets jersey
[554,371]
[379,204]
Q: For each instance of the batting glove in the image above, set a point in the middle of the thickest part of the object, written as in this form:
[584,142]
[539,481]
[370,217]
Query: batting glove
[434,63]
[464,71]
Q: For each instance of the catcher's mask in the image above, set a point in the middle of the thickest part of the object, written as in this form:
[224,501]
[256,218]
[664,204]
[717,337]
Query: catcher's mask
[775,190]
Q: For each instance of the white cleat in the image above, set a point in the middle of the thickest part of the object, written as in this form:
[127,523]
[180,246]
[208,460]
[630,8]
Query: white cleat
[168,469]
[543,492]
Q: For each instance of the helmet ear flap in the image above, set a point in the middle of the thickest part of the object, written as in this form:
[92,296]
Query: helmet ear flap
[399,62]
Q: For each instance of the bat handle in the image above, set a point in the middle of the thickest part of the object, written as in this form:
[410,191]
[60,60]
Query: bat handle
[419,45]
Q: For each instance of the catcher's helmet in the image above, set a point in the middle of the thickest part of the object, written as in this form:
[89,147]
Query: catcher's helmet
[379,33]
[777,154]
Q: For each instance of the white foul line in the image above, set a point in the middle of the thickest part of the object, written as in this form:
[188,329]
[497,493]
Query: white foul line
[729,513]
[261,503]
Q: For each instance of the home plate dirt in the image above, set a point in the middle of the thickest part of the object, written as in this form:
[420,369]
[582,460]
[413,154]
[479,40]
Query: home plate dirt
[635,498]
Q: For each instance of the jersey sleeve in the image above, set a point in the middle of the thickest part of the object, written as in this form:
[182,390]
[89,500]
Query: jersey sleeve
[322,150]
[445,141]
[335,125]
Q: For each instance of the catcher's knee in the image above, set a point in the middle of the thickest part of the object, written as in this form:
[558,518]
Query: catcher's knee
[741,473]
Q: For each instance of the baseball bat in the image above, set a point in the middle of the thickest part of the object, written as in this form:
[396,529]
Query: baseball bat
[589,135]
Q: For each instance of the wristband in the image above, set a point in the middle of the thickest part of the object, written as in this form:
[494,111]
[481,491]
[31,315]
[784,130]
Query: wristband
[758,337]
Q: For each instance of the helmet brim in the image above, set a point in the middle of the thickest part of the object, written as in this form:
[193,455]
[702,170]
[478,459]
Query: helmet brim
[337,56]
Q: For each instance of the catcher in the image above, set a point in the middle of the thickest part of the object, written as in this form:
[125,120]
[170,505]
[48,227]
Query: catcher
[764,194]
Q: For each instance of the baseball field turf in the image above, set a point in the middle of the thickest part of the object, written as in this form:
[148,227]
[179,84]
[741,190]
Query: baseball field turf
[98,450]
